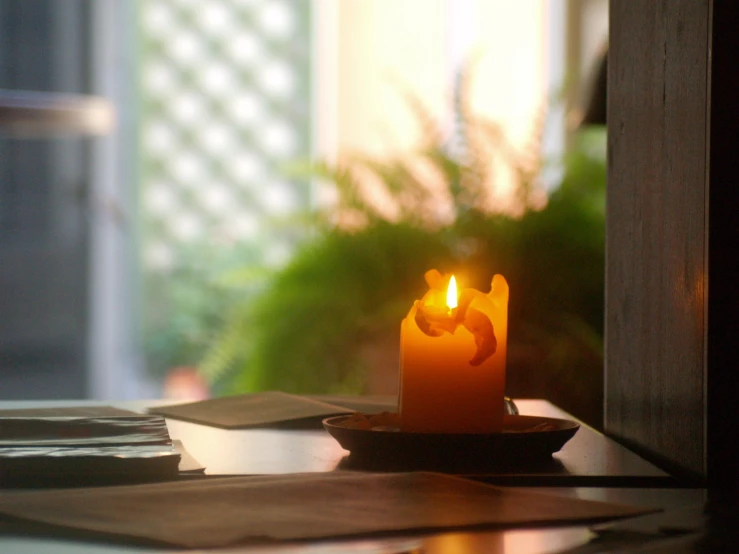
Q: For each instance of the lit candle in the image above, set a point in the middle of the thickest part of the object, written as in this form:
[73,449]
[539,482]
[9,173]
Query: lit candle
[453,359]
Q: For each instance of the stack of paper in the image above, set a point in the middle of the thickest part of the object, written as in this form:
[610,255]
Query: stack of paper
[67,446]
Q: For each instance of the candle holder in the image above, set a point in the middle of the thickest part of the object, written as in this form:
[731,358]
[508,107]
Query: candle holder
[531,438]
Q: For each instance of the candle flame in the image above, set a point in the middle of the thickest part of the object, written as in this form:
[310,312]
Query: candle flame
[451,293]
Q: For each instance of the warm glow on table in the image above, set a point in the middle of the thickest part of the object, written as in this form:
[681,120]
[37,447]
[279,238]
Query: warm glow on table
[450,383]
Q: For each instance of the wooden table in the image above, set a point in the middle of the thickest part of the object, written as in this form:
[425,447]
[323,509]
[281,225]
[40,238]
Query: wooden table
[588,459]
[589,466]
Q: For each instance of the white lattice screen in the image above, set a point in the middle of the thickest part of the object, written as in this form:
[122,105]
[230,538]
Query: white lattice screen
[225,98]
[225,90]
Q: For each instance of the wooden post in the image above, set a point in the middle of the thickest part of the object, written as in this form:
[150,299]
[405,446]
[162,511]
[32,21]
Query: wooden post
[672,277]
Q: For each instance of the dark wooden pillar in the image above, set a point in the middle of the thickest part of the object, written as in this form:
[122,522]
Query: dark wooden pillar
[672,278]
[722,214]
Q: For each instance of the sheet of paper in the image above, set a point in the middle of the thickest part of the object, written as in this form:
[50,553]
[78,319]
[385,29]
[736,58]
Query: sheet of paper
[188,464]
[357,403]
[220,512]
[254,410]
[71,411]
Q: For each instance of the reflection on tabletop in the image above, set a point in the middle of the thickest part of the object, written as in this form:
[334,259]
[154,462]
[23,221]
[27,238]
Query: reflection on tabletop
[452,464]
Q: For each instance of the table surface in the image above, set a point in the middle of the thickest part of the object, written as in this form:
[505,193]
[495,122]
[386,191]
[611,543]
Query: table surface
[589,466]
[588,459]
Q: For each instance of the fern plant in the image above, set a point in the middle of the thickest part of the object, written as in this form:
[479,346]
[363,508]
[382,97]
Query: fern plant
[317,324]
